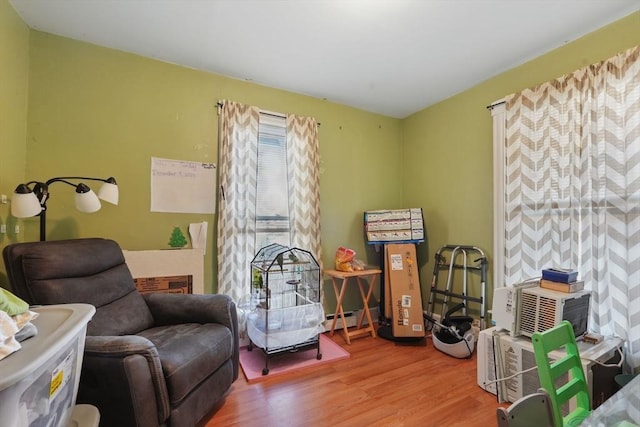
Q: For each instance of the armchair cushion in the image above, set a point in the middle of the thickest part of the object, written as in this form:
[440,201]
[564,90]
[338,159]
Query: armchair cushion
[189,353]
[217,309]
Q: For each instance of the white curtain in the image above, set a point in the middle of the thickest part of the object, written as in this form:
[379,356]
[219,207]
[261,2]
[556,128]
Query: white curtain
[238,182]
[572,188]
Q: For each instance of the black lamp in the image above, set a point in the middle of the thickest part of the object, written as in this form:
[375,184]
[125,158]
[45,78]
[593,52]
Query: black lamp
[32,201]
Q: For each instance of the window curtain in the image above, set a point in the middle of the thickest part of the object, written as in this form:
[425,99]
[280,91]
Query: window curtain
[238,183]
[303,162]
[572,188]
[238,162]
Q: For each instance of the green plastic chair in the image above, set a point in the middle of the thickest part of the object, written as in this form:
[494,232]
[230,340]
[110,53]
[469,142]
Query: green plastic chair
[563,378]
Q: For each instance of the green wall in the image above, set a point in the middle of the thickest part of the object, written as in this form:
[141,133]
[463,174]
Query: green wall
[101,112]
[448,153]
[14,79]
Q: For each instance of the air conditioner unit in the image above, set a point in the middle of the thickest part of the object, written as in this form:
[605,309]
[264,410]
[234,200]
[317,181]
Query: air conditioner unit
[488,340]
[506,302]
[501,355]
[541,309]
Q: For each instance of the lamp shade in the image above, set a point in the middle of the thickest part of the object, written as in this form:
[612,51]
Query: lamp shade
[109,191]
[24,203]
[86,199]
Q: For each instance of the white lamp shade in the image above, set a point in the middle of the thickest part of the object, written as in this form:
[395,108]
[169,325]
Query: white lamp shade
[25,205]
[87,202]
[109,193]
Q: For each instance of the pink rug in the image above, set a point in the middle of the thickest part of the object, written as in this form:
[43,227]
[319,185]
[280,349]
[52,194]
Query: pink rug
[253,361]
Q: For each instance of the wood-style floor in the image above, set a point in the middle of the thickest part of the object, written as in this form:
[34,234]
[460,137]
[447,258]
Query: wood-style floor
[382,383]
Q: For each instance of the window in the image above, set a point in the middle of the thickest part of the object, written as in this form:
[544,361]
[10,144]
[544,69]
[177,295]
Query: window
[269,189]
[567,187]
[272,198]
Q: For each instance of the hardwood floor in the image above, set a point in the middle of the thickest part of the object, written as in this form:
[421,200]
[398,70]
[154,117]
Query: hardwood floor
[382,383]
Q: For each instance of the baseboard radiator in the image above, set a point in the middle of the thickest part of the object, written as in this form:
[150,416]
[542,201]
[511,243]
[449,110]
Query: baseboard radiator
[351,318]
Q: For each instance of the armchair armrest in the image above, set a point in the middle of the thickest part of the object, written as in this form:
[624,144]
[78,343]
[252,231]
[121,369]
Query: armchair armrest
[171,309]
[168,309]
[120,346]
[122,371]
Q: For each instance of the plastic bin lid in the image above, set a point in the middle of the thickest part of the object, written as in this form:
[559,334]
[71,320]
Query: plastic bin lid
[57,326]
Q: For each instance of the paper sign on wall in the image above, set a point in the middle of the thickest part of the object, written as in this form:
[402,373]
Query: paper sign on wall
[183,187]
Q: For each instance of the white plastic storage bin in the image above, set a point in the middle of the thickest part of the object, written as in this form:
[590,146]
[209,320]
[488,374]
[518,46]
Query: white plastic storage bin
[39,382]
[286,326]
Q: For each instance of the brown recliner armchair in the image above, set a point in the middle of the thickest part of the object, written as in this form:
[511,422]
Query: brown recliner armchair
[150,360]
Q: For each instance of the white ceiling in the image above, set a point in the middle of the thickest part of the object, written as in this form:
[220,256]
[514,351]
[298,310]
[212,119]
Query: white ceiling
[392,57]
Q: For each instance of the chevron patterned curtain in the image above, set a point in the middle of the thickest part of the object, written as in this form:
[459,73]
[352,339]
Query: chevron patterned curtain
[572,188]
[238,164]
[303,161]
[239,125]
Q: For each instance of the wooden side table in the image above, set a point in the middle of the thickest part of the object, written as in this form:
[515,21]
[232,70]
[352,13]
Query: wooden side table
[365,293]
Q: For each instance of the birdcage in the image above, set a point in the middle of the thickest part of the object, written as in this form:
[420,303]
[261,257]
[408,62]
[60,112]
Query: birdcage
[287,313]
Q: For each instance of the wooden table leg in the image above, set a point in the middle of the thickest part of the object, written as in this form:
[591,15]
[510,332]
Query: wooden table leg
[366,297]
[339,310]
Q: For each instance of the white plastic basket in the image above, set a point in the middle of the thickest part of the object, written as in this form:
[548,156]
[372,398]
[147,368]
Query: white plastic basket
[286,326]
[39,382]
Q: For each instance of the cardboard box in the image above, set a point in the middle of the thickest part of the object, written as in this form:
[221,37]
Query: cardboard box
[398,225]
[168,262]
[388,236]
[166,284]
[405,294]
[388,225]
[387,289]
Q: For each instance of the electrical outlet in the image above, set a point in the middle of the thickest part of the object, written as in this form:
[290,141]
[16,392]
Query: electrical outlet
[3,200]
[17,229]
[3,228]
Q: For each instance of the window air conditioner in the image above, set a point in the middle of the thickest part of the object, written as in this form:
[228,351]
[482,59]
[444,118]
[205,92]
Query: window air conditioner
[525,308]
[506,302]
[542,309]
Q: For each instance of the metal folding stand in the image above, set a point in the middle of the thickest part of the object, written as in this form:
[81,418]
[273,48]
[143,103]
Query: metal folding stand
[453,264]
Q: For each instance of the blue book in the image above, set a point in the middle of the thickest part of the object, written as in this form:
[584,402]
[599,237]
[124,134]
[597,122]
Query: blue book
[560,275]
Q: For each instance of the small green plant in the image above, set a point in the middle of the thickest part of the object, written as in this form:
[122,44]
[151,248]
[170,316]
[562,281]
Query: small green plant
[177,239]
